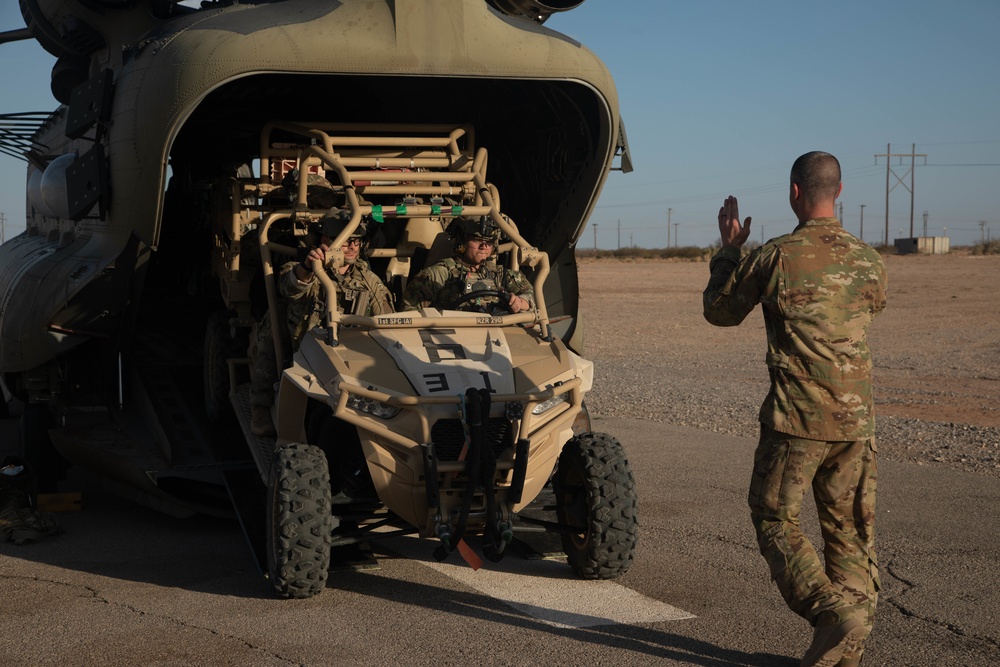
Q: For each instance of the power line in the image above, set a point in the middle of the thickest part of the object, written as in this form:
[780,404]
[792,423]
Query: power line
[961,143]
[722,194]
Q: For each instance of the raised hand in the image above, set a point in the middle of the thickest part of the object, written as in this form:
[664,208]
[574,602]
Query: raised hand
[733,234]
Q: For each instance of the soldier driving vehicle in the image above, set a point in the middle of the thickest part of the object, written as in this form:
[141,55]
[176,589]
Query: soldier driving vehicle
[157,226]
[471,278]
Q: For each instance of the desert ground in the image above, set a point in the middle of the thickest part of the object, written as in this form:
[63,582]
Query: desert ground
[936,350]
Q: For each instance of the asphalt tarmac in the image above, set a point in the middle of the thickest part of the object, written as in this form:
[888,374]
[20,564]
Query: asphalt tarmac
[126,586]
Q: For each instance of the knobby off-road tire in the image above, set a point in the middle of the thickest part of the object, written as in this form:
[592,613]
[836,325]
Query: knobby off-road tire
[219,347]
[595,494]
[301,523]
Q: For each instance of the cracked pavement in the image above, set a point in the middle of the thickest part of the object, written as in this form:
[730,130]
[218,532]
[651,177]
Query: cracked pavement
[126,586]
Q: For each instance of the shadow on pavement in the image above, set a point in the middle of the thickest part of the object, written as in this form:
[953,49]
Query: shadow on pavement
[646,642]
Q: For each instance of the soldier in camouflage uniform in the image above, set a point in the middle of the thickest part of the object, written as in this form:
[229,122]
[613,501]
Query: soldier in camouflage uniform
[819,288]
[359,292]
[472,269]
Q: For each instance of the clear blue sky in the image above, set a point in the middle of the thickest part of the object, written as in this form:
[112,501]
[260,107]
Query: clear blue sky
[720,96]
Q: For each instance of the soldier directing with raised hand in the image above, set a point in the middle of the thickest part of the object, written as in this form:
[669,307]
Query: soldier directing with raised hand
[471,278]
[819,288]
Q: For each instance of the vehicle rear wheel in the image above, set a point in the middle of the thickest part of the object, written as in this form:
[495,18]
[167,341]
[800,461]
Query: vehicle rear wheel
[219,347]
[596,497]
[301,523]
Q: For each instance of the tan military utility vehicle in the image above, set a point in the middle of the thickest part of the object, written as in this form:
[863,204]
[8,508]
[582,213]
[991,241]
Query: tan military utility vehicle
[193,146]
[446,422]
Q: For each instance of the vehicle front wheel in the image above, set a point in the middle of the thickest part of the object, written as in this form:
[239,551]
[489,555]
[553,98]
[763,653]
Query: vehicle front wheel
[301,522]
[596,499]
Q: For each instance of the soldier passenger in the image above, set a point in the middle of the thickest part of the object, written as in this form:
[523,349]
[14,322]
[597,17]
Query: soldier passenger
[359,292]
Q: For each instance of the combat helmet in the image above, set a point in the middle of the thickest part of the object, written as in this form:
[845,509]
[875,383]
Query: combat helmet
[334,222]
[465,228]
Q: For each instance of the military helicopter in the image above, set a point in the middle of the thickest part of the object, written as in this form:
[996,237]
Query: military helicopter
[193,148]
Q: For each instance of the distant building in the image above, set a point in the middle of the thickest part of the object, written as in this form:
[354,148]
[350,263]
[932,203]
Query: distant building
[923,245]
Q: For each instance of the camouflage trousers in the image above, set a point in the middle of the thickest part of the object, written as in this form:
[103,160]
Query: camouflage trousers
[842,476]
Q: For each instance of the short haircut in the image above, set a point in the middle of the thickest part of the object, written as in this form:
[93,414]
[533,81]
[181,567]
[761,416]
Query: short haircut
[818,176]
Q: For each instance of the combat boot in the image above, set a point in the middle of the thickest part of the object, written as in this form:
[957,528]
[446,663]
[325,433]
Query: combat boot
[20,521]
[831,642]
[850,659]
[18,488]
[260,421]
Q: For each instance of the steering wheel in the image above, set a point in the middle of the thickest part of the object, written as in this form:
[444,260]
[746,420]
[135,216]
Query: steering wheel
[504,298]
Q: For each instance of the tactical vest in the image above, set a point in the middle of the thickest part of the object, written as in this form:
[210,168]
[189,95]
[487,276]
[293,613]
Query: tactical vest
[477,282]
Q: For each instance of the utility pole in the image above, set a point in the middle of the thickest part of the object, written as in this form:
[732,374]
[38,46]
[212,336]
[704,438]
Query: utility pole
[913,155]
[669,211]
[676,245]
[595,237]
[913,169]
[888,152]
[861,234]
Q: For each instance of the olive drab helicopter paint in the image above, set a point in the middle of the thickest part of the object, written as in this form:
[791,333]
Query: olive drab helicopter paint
[195,147]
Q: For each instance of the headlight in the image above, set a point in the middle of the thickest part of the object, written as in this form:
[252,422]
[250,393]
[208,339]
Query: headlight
[372,407]
[545,406]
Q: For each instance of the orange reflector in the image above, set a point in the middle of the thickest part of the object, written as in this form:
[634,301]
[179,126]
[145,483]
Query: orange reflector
[469,556]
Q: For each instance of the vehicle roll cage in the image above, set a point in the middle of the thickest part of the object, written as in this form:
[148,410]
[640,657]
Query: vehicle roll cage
[402,161]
